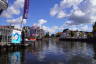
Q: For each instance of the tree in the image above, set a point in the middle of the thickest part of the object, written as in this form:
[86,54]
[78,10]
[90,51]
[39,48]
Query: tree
[58,34]
[53,35]
[47,34]
[72,33]
[94,30]
[94,27]
[90,35]
[81,34]
[65,30]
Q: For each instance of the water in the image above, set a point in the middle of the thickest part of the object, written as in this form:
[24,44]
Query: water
[52,52]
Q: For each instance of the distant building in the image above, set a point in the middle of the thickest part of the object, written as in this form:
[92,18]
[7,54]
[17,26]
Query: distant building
[73,34]
[41,33]
[3,5]
[65,34]
[36,32]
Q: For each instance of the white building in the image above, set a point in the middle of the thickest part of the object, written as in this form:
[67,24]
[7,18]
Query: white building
[9,35]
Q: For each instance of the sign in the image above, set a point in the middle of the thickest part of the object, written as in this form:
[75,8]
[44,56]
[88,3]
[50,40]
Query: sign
[16,36]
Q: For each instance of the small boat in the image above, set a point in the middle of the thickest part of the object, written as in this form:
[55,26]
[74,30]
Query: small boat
[32,39]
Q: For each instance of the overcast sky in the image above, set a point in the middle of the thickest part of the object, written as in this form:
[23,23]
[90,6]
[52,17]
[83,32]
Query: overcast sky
[53,15]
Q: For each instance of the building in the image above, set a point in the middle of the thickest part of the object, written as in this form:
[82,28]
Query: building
[3,5]
[73,34]
[41,33]
[9,35]
[5,34]
[65,34]
[36,32]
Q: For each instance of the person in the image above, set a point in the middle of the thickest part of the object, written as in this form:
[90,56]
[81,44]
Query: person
[23,36]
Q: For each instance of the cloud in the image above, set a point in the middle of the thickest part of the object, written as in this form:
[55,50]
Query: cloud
[80,27]
[16,20]
[77,11]
[61,14]
[12,14]
[54,10]
[41,22]
[17,26]
[52,29]
[14,9]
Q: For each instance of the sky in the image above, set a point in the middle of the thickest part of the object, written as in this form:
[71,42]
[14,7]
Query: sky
[52,15]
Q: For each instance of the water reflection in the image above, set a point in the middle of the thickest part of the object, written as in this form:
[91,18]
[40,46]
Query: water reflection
[4,59]
[52,52]
[14,58]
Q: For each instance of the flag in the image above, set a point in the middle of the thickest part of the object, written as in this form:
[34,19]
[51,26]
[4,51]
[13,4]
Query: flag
[26,8]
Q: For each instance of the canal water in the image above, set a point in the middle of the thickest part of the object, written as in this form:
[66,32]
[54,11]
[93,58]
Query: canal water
[52,52]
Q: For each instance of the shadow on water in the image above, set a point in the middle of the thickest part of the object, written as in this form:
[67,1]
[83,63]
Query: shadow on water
[52,52]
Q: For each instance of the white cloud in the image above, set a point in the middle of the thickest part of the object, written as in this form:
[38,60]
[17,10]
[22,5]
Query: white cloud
[17,26]
[93,2]
[81,27]
[10,12]
[54,10]
[61,14]
[78,11]
[84,27]
[16,20]
[52,29]
[41,22]
[69,3]
[74,28]
[68,23]
[81,10]
[14,10]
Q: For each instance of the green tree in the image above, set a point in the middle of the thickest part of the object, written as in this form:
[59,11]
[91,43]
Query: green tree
[81,34]
[94,27]
[47,34]
[53,35]
[72,33]
[58,34]
[90,35]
